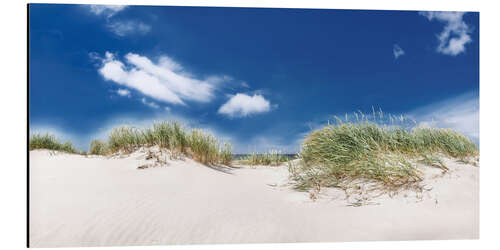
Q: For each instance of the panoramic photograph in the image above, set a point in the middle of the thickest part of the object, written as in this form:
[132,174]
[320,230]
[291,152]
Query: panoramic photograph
[168,125]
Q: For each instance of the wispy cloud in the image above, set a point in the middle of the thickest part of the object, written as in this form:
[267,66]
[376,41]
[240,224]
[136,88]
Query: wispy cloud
[397,51]
[266,143]
[150,104]
[121,27]
[128,27]
[241,105]
[455,35]
[245,85]
[106,10]
[165,80]
[123,92]
[460,113]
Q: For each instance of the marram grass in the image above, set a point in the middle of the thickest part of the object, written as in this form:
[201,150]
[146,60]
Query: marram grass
[201,146]
[195,143]
[47,141]
[98,147]
[340,153]
[271,158]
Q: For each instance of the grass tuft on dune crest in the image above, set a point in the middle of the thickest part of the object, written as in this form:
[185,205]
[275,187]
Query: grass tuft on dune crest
[98,147]
[201,146]
[365,149]
[48,141]
[194,143]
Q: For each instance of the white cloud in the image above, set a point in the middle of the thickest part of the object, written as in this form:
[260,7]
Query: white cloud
[119,27]
[245,85]
[164,81]
[106,10]
[398,51]
[150,104]
[241,105]
[455,35]
[123,92]
[94,56]
[128,27]
[460,113]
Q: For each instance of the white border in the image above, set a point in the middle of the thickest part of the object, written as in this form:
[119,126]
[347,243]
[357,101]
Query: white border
[13,104]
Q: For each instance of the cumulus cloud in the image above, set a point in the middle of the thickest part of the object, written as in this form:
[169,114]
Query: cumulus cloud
[123,92]
[397,51]
[455,35]
[241,105]
[128,27]
[106,10]
[165,80]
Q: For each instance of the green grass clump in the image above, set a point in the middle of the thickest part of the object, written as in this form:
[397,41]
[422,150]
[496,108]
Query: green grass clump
[226,154]
[98,147]
[271,158]
[346,151]
[47,141]
[207,149]
[203,147]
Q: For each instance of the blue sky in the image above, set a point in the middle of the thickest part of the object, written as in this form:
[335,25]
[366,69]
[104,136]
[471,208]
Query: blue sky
[260,78]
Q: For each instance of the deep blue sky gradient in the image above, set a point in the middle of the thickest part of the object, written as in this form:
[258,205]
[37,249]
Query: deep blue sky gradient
[310,63]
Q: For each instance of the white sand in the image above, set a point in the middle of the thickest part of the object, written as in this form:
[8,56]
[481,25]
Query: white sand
[99,201]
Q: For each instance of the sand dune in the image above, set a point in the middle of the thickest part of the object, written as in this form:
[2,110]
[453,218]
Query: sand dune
[100,201]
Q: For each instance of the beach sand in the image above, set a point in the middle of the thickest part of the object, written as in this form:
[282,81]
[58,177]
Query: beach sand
[106,201]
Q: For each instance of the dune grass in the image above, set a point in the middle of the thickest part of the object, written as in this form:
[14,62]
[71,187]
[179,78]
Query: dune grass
[48,141]
[195,143]
[365,149]
[98,147]
[271,158]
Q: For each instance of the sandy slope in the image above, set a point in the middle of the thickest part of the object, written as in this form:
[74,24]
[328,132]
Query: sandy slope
[99,201]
